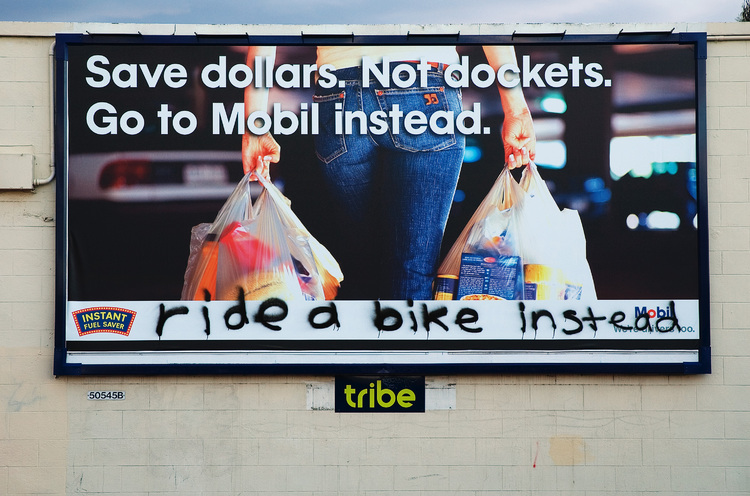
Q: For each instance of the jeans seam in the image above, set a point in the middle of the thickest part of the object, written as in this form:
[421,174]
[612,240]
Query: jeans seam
[361,106]
[343,148]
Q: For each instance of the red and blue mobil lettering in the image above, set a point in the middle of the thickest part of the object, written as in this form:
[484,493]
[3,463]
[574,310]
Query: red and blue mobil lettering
[104,319]
[653,312]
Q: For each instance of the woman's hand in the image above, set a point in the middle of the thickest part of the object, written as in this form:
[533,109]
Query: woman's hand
[258,152]
[519,139]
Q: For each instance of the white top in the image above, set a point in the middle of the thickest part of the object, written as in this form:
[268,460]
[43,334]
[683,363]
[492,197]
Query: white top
[351,56]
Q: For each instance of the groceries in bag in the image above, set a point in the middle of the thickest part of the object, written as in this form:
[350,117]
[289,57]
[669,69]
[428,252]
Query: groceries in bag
[258,251]
[518,245]
[486,258]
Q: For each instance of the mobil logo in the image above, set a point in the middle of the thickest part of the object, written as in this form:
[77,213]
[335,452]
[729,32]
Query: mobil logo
[666,318]
[657,312]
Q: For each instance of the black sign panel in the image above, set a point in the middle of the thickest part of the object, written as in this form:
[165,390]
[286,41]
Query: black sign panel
[359,394]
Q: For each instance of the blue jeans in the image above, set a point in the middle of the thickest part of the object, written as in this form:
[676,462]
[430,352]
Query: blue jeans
[393,190]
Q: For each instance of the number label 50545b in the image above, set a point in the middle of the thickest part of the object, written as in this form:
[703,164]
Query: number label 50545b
[106,395]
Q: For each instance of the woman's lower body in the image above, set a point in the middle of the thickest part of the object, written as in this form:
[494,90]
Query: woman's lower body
[393,187]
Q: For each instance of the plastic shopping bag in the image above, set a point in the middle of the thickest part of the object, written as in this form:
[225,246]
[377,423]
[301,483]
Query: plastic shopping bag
[556,266]
[485,262]
[308,254]
[518,245]
[258,252]
[200,275]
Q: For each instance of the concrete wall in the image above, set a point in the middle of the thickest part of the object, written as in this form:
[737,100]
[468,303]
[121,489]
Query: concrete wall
[521,434]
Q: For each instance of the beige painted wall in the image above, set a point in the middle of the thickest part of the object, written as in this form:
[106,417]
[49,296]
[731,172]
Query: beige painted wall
[522,434]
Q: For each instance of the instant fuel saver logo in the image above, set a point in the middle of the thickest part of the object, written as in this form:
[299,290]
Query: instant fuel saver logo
[104,319]
[380,394]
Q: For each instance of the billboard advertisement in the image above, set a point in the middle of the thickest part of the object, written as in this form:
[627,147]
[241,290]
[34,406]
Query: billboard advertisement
[381,204]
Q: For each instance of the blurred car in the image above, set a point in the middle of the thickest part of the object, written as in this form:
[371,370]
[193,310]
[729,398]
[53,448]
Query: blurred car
[154,176]
[130,216]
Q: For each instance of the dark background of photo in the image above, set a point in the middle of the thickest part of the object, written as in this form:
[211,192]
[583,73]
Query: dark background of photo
[138,250]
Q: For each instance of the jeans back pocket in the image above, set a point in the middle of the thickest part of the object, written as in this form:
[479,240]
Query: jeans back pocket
[427,133]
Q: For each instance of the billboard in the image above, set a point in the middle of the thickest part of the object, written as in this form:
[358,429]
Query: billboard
[381,204]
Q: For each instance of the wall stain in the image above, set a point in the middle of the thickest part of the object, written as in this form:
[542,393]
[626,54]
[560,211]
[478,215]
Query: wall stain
[24,395]
[567,450]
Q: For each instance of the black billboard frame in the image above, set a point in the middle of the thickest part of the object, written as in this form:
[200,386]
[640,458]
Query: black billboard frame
[62,365]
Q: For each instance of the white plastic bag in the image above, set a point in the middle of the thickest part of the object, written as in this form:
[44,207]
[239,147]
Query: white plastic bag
[518,245]
[555,264]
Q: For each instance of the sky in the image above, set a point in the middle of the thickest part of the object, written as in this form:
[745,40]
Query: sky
[371,12]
